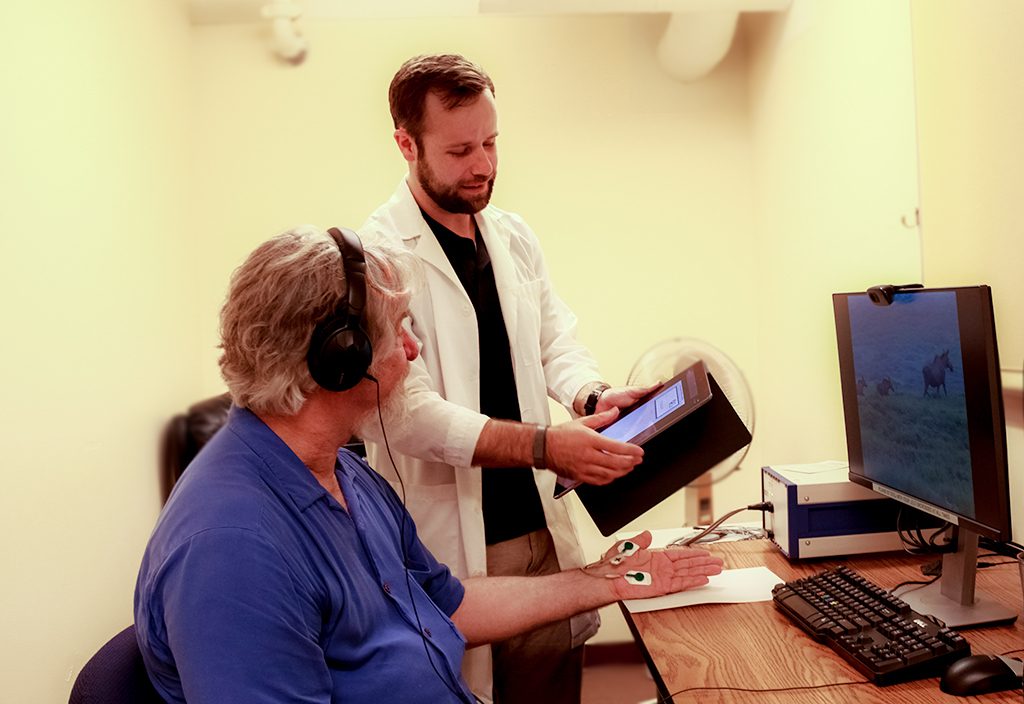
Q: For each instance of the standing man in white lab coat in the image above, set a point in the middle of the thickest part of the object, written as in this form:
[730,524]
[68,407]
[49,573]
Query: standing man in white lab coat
[496,341]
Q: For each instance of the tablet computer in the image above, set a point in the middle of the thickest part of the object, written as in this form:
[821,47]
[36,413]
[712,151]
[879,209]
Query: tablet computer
[672,459]
[656,412]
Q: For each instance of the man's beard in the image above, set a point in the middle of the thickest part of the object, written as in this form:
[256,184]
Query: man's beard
[393,405]
[447,196]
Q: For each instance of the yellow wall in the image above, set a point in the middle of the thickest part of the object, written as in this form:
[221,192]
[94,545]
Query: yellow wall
[99,342]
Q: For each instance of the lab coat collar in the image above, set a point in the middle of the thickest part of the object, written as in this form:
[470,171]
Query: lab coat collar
[416,234]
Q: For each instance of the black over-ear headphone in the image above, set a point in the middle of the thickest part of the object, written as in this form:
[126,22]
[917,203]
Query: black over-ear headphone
[339,350]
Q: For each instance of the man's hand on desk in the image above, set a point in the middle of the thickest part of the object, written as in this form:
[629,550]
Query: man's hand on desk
[575,450]
[635,572]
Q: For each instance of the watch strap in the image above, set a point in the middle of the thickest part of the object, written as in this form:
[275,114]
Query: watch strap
[540,437]
[595,395]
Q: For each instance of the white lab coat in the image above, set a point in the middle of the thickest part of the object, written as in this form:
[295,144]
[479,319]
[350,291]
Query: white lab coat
[433,441]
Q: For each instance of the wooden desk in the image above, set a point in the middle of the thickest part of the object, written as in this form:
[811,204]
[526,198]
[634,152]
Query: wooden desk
[754,646]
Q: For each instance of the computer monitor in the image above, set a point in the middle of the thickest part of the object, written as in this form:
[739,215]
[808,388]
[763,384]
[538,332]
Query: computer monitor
[924,425]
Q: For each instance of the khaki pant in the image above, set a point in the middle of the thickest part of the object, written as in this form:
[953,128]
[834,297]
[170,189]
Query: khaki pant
[538,667]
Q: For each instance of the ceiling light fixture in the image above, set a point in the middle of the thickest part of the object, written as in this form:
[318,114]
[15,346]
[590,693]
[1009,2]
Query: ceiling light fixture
[286,39]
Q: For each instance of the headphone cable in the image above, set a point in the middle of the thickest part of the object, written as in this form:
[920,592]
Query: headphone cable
[405,554]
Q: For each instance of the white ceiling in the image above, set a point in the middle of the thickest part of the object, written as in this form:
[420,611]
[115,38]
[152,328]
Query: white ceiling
[697,35]
[236,11]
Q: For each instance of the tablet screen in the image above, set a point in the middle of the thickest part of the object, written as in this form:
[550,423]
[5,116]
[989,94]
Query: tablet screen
[662,408]
[676,398]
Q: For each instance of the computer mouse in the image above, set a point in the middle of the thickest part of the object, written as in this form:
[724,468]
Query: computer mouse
[980,674]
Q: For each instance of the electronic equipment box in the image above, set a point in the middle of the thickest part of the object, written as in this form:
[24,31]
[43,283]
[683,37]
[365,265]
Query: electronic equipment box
[819,512]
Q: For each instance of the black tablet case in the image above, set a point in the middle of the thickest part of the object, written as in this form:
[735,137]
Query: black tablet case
[672,460]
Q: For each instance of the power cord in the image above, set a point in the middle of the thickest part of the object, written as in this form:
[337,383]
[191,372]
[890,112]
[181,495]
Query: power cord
[405,555]
[934,570]
[919,585]
[914,542]
[668,698]
[765,506]
[1007,549]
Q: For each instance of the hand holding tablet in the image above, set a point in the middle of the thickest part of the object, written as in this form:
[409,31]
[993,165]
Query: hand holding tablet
[659,410]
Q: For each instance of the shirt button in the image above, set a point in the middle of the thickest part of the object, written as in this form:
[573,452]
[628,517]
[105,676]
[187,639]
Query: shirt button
[427,633]
[387,588]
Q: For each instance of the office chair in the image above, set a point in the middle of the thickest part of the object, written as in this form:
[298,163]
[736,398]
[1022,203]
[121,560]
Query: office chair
[185,435]
[115,675]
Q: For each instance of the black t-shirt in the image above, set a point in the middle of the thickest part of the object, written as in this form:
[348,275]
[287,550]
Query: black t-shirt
[511,503]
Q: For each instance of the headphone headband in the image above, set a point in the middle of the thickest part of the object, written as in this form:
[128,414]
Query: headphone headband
[353,261]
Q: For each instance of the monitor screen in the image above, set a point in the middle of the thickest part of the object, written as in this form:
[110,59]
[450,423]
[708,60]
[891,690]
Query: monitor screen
[923,403]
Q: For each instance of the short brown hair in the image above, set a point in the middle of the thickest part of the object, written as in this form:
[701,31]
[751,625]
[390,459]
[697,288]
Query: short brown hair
[285,287]
[455,79]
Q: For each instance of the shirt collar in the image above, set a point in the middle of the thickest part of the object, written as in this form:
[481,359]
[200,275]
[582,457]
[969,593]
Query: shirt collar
[457,247]
[287,470]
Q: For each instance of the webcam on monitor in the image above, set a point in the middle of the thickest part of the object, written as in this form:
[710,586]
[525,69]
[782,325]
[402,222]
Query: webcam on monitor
[883,294]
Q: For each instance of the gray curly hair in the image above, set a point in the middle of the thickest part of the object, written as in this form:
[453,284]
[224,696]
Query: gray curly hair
[276,298]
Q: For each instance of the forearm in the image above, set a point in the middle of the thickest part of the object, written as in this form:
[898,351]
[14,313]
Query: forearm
[505,443]
[496,608]
[572,450]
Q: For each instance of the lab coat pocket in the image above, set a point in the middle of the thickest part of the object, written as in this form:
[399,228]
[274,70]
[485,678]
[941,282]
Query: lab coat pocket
[435,509]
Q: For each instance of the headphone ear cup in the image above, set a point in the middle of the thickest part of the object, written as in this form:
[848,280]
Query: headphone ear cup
[339,355]
[340,352]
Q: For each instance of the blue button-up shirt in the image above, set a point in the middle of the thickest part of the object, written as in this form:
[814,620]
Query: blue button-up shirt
[258,586]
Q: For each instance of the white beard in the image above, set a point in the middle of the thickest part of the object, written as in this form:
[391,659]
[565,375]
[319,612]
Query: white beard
[392,410]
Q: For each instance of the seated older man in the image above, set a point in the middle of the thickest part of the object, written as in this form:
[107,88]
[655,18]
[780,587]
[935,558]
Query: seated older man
[283,568]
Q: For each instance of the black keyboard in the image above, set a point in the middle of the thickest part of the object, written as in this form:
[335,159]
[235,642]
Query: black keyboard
[876,632]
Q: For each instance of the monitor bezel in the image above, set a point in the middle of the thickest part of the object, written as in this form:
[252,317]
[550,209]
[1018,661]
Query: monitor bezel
[986,418]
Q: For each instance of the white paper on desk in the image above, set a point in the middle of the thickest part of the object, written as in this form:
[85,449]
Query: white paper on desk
[730,587]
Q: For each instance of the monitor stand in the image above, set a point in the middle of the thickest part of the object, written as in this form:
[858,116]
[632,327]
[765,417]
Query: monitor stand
[952,599]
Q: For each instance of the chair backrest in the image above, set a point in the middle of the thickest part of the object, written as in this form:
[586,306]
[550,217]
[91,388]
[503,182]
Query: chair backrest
[186,434]
[115,675]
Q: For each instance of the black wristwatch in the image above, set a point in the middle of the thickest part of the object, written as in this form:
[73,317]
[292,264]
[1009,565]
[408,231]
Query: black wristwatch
[591,403]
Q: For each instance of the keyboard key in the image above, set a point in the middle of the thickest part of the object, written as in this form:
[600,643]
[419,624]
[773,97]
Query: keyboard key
[916,656]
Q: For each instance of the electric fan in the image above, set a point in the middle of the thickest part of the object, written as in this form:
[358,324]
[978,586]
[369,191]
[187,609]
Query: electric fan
[666,359]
